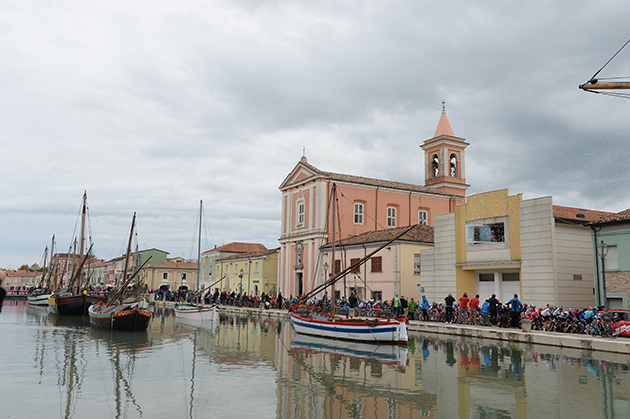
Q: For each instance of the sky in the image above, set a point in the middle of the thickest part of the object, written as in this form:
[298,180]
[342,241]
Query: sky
[152,106]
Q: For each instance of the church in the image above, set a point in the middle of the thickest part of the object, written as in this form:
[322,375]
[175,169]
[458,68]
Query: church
[364,205]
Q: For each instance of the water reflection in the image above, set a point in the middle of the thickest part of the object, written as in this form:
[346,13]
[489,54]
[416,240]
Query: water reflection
[258,367]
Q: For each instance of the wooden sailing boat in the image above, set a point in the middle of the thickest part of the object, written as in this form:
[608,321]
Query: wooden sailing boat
[120,315]
[195,311]
[39,296]
[74,299]
[309,321]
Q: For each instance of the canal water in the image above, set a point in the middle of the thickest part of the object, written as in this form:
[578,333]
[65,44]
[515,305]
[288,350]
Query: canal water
[257,367]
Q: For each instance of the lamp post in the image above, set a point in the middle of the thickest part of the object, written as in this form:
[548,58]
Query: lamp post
[249,269]
[240,284]
[602,251]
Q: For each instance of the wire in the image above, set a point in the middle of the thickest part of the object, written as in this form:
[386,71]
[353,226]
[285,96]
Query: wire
[611,58]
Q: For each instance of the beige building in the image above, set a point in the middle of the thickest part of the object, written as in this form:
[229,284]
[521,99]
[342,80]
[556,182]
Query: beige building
[392,270]
[176,273]
[504,245]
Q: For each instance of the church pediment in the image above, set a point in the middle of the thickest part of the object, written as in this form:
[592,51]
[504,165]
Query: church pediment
[300,173]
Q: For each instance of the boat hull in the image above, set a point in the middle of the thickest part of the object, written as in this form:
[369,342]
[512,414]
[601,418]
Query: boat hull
[193,312]
[76,305]
[125,317]
[38,299]
[362,330]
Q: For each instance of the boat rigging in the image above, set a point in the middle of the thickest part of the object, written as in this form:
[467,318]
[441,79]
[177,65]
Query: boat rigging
[608,85]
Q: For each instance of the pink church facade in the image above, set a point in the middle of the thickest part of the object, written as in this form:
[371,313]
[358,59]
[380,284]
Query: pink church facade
[364,205]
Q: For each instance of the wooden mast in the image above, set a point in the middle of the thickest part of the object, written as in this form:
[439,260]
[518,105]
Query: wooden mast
[127,256]
[199,249]
[333,193]
[79,279]
[594,84]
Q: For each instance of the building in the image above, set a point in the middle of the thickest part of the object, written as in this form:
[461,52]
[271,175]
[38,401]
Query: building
[393,270]
[23,278]
[504,245]
[252,273]
[116,266]
[176,273]
[365,205]
[614,231]
[214,274]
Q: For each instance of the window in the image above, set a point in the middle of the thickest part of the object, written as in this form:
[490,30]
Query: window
[358,213]
[337,267]
[377,295]
[416,263]
[611,261]
[377,264]
[165,275]
[510,276]
[486,277]
[300,213]
[236,269]
[183,276]
[358,268]
[391,217]
[577,277]
[485,233]
[256,268]
[422,217]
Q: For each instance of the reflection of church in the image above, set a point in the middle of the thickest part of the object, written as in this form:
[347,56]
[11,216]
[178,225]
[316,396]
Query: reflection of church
[365,205]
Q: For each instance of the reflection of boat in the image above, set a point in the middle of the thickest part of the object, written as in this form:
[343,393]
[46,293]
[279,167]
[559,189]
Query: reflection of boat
[384,354]
[196,311]
[310,321]
[122,315]
[210,325]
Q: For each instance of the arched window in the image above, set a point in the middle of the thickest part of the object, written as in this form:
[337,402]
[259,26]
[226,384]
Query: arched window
[435,164]
[453,165]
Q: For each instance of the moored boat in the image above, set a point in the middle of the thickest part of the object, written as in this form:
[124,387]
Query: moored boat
[129,316]
[311,322]
[38,297]
[119,314]
[196,312]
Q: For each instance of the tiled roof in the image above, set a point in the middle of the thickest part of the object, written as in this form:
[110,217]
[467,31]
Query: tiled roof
[373,182]
[174,265]
[236,247]
[22,273]
[419,233]
[620,217]
[251,254]
[582,216]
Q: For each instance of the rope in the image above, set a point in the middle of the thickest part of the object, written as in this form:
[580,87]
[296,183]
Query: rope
[624,45]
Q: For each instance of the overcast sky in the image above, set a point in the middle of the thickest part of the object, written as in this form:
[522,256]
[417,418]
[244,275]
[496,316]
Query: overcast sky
[151,106]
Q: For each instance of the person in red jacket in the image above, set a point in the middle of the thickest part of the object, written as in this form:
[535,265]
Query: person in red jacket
[474,310]
[463,308]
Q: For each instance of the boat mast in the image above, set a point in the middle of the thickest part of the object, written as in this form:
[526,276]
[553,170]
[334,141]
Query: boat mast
[333,193]
[50,269]
[79,277]
[199,246]
[127,256]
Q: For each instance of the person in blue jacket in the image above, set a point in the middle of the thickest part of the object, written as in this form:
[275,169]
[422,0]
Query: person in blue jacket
[425,308]
[515,311]
[485,313]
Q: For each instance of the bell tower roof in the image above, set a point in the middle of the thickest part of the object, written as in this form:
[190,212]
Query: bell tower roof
[444,127]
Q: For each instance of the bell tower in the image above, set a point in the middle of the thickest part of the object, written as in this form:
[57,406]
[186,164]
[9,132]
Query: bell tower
[444,159]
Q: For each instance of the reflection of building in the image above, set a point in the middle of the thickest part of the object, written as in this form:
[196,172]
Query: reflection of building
[504,245]
[364,205]
[393,270]
[613,230]
[321,385]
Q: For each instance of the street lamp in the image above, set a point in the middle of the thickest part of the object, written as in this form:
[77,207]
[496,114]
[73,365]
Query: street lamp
[240,284]
[602,251]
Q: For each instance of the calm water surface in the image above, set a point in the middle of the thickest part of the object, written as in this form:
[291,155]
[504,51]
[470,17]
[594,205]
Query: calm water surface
[253,367]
